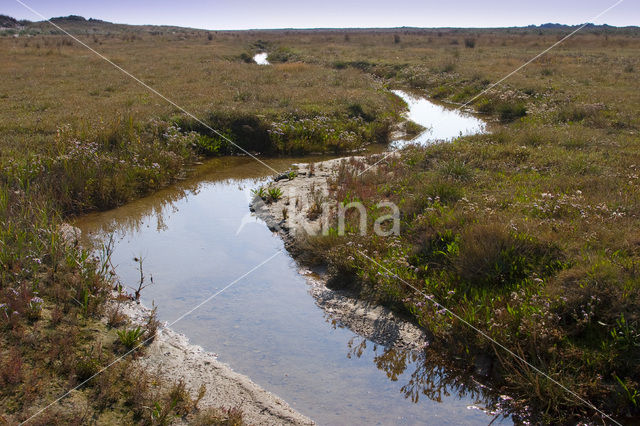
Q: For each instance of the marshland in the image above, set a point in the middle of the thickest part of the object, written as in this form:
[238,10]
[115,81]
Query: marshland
[523,224]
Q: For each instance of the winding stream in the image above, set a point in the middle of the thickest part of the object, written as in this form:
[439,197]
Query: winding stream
[198,236]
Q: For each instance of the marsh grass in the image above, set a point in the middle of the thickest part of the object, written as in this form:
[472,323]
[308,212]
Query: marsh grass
[527,233]
[52,299]
[543,210]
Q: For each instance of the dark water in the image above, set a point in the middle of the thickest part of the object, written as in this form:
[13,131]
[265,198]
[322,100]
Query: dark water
[198,236]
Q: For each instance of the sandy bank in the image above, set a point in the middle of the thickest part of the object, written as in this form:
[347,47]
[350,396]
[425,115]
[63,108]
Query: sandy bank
[173,358]
[290,218]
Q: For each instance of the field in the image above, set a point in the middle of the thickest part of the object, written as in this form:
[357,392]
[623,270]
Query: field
[529,233]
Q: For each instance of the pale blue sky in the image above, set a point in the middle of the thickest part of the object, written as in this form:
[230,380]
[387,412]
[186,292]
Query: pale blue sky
[244,14]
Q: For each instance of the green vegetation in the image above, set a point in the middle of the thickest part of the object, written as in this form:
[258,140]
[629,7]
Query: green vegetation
[528,233]
[274,193]
[52,297]
[129,338]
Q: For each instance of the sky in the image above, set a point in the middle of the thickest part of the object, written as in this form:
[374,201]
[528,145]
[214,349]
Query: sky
[254,14]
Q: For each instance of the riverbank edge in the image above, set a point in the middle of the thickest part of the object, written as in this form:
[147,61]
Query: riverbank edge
[172,357]
[370,320]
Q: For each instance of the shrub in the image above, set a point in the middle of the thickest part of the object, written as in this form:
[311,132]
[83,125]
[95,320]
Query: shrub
[470,43]
[490,255]
[509,111]
[282,54]
[246,57]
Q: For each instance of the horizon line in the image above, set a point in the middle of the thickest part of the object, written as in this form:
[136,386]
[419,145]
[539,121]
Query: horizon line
[326,28]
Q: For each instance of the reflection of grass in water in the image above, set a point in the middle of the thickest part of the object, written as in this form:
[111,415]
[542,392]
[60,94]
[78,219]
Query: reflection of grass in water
[430,374]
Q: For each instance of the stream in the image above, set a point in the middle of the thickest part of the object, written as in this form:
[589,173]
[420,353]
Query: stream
[198,236]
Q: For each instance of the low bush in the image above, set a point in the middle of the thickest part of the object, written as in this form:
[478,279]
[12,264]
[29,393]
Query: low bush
[490,255]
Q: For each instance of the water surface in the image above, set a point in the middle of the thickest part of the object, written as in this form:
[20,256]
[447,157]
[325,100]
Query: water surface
[441,123]
[261,58]
[198,236]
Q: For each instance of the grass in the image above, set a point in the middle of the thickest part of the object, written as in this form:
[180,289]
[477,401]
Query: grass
[52,338]
[529,233]
[274,193]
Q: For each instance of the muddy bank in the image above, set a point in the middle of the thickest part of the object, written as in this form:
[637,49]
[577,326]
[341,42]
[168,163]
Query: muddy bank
[173,358]
[292,218]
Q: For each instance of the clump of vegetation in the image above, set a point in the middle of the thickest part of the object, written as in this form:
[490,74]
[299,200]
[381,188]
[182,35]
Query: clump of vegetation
[411,128]
[274,193]
[129,338]
[260,192]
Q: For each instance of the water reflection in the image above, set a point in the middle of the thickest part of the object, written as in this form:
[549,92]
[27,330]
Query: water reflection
[268,326]
[423,374]
[441,124]
[261,59]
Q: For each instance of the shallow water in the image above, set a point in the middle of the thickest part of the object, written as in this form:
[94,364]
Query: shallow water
[198,236]
[261,58]
[441,123]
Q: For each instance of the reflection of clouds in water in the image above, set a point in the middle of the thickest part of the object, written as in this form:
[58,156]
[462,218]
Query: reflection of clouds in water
[441,123]
[249,217]
[129,219]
